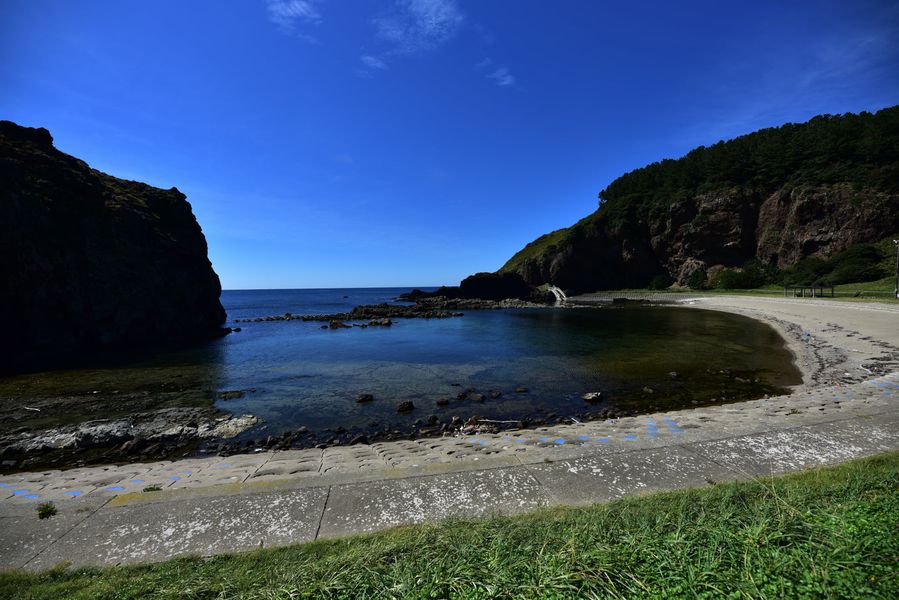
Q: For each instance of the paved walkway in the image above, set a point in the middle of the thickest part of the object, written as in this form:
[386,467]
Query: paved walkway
[213,505]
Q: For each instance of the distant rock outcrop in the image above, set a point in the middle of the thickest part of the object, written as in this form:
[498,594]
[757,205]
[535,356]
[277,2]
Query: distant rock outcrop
[91,261]
[486,286]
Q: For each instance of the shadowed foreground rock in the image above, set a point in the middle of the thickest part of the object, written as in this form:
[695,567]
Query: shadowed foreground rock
[91,261]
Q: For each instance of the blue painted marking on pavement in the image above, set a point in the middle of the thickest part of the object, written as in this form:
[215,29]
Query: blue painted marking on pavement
[677,430]
[32,496]
[174,478]
[584,438]
[117,488]
[603,440]
[137,481]
[72,493]
[630,437]
[544,439]
[559,441]
[20,492]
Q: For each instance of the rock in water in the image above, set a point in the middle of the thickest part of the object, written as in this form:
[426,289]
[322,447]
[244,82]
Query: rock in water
[592,397]
[91,261]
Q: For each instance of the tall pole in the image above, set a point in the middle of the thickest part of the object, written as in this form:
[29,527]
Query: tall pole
[896,291]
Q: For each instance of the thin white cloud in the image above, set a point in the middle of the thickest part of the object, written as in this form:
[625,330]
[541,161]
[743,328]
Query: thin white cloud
[309,39]
[416,26]
[373,62]
[483,64]
[287,13]
[502,76]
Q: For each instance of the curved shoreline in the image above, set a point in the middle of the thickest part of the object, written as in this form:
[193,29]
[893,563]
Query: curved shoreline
[840,412]
[833,342]
[863,344]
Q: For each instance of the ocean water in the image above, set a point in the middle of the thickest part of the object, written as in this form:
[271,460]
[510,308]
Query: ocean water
[297,374]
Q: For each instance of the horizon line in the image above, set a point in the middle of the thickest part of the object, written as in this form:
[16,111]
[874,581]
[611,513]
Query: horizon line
[372,287]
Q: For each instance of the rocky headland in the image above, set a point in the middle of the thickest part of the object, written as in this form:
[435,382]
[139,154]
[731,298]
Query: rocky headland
[94,262]
[95,267]
[771,199]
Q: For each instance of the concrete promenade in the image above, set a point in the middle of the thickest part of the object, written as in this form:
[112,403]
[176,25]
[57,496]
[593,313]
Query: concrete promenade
[212,505]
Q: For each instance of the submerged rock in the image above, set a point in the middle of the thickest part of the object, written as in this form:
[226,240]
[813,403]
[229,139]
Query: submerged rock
[592,397]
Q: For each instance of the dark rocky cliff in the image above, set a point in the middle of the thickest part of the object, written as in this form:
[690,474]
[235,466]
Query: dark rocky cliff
[776,196]
[91,261]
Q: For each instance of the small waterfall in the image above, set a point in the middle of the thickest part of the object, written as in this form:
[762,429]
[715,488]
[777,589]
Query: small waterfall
[561,298]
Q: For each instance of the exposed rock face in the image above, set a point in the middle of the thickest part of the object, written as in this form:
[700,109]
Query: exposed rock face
[92,261]
[776,196]
[822,221]
[724,228]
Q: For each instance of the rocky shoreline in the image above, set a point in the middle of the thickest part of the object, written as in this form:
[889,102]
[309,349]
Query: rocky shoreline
[180,432]
[823,354]
[143,436]
[429,426]
[439,307]
[147,433]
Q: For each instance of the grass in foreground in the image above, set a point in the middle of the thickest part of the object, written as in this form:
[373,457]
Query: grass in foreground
[829,533]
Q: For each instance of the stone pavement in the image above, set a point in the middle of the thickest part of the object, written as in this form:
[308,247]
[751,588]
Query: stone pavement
[214,505]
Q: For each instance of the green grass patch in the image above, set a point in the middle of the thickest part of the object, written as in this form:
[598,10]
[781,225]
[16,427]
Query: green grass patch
[827,533]
[541,245]
[45,510]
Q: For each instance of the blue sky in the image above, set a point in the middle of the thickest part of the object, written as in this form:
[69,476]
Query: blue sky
[327,143]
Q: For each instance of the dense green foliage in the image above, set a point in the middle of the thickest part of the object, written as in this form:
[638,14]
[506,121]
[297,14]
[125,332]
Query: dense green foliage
[659,282]
[547,242]
[829,533]
[699,280]
[860,149]
[863,262]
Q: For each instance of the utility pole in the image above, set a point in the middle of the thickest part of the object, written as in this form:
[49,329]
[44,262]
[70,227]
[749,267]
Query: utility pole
[896,291]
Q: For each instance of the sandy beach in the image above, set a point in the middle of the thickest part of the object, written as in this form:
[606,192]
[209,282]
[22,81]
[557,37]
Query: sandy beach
[834,342]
